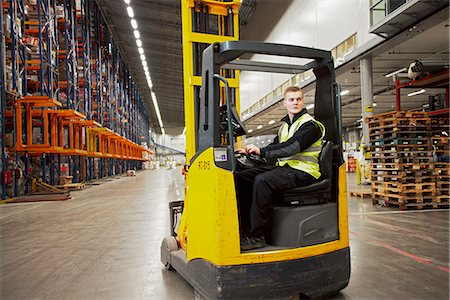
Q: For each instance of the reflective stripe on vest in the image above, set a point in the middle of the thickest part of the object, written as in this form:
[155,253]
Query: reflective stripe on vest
[307,160]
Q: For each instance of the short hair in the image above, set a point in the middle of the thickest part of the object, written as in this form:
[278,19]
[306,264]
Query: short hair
[292,88]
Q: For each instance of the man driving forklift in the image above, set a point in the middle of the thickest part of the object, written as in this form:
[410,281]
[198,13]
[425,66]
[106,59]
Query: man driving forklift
[296,150]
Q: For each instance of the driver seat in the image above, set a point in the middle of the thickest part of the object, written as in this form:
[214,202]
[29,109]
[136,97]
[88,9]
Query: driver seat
[306,216]
[316,193]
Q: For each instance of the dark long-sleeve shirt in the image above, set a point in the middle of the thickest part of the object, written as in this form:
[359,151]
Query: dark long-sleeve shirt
[302,139]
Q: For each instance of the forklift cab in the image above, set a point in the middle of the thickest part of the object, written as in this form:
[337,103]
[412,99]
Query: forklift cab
[308,247]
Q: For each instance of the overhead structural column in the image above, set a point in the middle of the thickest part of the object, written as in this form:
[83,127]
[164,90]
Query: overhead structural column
[365,65]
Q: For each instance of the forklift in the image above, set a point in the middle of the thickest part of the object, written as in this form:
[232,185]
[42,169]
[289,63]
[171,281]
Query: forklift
[307,252]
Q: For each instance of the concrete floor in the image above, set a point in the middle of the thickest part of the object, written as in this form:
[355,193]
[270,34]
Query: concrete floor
[104,244]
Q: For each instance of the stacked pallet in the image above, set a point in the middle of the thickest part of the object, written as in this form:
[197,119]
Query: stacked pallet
[440,141]
[402,160]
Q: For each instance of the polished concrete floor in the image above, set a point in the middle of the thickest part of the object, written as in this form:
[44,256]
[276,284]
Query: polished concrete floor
[104,244]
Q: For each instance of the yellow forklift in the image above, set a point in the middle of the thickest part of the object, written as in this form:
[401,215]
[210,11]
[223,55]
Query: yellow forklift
[307,250]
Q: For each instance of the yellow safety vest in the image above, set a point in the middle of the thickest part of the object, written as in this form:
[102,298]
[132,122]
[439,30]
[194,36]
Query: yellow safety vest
[307,160]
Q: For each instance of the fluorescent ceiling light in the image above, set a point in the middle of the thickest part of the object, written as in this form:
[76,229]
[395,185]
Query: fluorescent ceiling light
[130,12]
[127,1]
[143,57]
[184,131]
[137,35]
[144,63]
[416,93]
[259,127]
[250,130]
[374,104]
[141,50]
[163,132]
[139,43]
[345,92]
[271,122]
[395,72]
[311,106]
[133,23]
[158,114]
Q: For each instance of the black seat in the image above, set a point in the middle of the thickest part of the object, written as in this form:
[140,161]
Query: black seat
[319,192]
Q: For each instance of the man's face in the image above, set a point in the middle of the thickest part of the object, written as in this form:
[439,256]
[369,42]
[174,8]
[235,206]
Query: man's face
[293,101]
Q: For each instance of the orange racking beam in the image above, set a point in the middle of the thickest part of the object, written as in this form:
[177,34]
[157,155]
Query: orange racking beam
[30,103]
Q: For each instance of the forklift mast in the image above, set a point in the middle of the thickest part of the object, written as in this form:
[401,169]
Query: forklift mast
[203,23]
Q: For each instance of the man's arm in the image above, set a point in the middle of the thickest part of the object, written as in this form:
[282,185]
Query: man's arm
[305,136]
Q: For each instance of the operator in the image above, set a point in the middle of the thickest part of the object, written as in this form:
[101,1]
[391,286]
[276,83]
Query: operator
[296,150]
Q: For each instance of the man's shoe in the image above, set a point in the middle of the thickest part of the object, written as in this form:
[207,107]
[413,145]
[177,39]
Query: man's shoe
[251,242]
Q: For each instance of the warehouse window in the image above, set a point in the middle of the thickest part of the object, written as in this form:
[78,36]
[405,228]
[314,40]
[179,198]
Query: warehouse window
[379,9]
[344,48]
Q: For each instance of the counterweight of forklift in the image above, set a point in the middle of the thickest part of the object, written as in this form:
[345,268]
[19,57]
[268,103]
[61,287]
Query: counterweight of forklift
[204,165]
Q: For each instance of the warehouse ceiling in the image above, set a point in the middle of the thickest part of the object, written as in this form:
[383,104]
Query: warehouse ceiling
[159,24]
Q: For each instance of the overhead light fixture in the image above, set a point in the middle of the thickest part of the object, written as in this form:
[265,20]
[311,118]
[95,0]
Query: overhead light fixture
[141,50]
[136,33]
[374,104]
[395,72]
[310,106]
[143,57]
[133,23]
[126,1]
[416,93]
[144,63]
[139,43]
[184,131]
[130,11]
[163,132]
[345,92]
[271,122]
[158,113]
[259,127]
[250,130]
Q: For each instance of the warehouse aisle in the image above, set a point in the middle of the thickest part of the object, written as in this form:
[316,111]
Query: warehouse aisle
[104,244]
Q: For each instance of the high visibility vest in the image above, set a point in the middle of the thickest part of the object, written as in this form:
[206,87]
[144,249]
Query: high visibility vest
[307,160]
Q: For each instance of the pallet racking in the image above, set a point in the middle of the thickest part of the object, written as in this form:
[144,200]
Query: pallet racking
[70,108]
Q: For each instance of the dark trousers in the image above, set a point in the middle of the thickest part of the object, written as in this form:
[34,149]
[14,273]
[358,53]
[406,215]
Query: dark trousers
[257,189]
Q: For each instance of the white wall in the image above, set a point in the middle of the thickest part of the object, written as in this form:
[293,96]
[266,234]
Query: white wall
[177,142]
[321,24]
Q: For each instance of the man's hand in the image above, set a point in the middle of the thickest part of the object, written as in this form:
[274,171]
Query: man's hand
[242,151]
[253,149]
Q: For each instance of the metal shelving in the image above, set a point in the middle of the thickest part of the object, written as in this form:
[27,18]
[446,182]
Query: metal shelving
[69,100]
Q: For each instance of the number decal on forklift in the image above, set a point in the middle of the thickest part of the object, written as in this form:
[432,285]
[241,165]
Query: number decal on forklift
[204,165]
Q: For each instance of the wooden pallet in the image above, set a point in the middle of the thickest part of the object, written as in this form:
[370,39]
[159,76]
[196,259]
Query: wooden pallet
[400,154]
[405,187]
[406,197]
[409,206]
[361,193]
[443,198]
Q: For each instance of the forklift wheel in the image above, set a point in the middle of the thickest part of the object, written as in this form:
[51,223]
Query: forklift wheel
[168,245]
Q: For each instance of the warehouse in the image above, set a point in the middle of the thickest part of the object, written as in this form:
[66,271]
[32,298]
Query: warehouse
[122,136]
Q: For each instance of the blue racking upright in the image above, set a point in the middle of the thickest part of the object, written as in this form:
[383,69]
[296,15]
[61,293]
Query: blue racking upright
[2,109]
